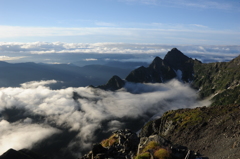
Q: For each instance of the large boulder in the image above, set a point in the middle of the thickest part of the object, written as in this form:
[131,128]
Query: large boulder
[121,144]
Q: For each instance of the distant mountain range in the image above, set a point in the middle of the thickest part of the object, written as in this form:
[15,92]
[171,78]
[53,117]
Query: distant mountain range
[12,75]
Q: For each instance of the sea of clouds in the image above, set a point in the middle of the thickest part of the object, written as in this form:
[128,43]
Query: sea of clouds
[74,118]
[66,122]
[14,51]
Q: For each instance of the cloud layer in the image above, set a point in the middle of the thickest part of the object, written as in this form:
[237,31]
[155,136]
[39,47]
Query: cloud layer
[205,53]
[47,112]
[22,134]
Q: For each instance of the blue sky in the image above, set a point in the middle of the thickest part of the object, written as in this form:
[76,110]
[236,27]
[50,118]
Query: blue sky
[127,21]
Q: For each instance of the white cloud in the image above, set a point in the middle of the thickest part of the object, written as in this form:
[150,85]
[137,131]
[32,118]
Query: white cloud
[86,115]
[22,135]
[205,52]
[105,24]
[91,59]
[35,84]
[19,31]
[199,25]
[8,58]
[135,33]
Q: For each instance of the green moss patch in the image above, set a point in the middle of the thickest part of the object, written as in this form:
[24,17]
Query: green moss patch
[110,141]
[162,154]
[151,145]
[145,155]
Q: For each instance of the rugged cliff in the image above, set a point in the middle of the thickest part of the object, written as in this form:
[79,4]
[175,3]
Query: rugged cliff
[174,65]
[212,131]
[206,132]
[219,81]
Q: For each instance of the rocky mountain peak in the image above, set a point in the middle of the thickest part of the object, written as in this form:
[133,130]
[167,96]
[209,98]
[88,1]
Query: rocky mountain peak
[175,58]
[182,64]
[175,64]
[113,84]
[157,59]
[156,63]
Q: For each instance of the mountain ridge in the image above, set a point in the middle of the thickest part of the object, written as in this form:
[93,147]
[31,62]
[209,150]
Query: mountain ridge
[183,128]
[207,78]
[208,131]
[14,74]
[162,70]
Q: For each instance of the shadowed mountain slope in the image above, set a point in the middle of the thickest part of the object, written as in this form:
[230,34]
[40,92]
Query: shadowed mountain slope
[113,84]
[182,65]
[174,64]
[220,80]
[158,71]
[12,75]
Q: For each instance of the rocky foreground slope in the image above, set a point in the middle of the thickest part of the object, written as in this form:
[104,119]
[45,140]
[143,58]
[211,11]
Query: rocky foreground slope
[206,132]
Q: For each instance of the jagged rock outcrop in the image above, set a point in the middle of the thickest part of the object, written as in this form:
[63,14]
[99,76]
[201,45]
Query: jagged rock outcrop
[183,65]
[155,146]
[124,144]
[121,145]
[212,131]
[113,84]
[158,71]
[216,80]
[174,65]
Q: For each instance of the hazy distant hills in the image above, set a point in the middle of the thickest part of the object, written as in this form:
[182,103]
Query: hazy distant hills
[11,75]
